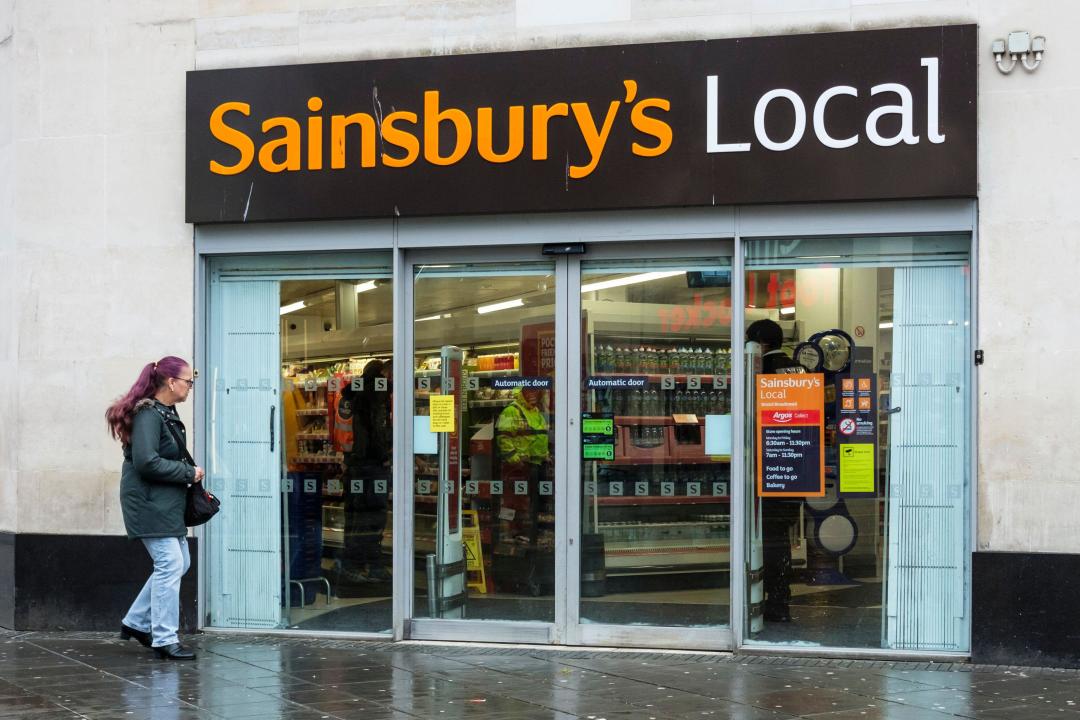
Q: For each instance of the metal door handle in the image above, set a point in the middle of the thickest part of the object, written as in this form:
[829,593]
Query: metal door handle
[273,409]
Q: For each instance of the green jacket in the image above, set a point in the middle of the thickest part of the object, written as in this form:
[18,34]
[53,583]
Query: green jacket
[522,433]
[155,478]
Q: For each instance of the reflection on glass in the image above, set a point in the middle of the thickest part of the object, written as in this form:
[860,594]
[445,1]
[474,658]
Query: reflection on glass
[484,476]
[336,385]
[656,444]
[879,560]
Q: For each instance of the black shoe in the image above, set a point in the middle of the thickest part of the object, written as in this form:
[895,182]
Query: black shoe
[379,574]
[176,651]
[126,633]
[783,616]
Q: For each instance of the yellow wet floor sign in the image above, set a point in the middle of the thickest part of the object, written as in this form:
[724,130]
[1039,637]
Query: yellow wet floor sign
[474,552]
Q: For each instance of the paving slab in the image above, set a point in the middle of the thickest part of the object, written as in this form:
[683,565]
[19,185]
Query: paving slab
[94,675]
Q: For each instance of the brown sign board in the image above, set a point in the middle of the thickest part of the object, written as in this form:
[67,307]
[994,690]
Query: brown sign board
[870,115]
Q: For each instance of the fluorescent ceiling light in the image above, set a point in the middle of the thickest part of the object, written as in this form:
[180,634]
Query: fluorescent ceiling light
[885,325]
[484,309]
[630,280]
[365,286]
[292,307]
[790,310]
[431,317]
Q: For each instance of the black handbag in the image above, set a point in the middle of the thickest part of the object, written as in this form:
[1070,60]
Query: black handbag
[201,504]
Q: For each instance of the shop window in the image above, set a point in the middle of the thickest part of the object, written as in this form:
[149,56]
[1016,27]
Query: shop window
[858,425]
[299,438]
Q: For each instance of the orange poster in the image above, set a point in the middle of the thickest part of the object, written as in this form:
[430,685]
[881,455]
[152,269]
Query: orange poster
[790,428]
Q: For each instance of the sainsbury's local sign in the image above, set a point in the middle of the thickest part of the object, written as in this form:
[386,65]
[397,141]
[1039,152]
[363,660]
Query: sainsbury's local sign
[872,115]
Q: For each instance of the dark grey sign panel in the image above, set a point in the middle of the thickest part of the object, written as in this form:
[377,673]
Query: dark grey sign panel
[884,114]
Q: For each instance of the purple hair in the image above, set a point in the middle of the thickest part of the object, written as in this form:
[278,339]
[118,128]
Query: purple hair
[152,378]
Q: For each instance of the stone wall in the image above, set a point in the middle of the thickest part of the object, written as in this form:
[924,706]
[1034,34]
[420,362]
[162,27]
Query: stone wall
[92,188]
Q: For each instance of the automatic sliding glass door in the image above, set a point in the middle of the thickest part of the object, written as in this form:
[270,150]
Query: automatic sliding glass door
[484,442]
[653,537]
[644,548]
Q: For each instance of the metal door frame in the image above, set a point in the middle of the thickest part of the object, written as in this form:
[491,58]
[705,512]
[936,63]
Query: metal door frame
[270,252]
[611,635]
[487,236]
[478,630]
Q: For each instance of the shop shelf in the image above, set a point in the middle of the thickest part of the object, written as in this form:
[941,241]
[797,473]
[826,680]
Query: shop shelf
[627,450]
[621,420]
[496,402]
[680,378]
[311,412]
[661,500]
[705,460]
[318,459]
[313,436]
[694,450]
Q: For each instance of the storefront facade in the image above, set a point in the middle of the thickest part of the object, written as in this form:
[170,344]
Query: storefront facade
[606,470]
[495,361]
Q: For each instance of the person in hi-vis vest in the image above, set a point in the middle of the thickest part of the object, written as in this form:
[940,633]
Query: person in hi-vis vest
[523,447]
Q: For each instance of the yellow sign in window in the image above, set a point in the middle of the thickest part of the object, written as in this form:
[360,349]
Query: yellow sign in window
[857,468]
[442,413]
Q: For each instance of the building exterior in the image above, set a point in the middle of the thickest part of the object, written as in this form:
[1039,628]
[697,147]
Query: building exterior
[288,226]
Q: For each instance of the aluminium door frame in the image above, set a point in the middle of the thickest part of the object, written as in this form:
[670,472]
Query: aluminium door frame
[261,240]
[466,630]
[746,222]
[718,638]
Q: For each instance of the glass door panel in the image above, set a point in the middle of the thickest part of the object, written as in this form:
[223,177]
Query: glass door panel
[656,442]
[337,443]
[484,492]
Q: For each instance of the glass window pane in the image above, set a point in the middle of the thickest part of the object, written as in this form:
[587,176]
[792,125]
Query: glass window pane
[873,551]
[300,458]
[336,340]
[483,463]
[656,444]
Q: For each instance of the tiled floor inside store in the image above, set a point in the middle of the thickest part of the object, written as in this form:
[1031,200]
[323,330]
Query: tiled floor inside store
[93,675]
[823,615]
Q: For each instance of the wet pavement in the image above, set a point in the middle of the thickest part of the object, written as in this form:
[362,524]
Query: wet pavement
[93,675]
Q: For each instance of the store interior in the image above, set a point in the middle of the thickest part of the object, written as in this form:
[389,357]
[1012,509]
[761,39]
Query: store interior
[655,509]
[336,531]
[655,520]
[838,542]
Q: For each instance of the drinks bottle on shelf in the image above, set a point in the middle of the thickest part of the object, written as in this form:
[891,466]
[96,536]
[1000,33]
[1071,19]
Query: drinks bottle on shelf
[654,402]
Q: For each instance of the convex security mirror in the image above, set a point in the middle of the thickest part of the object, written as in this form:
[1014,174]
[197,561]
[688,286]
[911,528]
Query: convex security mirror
[828,351]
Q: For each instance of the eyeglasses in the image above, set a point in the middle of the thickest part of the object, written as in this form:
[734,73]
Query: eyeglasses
[190,383]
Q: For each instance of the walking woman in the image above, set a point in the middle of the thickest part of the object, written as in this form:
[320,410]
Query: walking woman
[153,491]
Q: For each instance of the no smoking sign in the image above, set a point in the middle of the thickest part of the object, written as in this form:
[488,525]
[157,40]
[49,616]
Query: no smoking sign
[847,426]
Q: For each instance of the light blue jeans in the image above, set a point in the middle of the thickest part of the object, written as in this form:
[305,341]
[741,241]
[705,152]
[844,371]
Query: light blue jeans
[157,608]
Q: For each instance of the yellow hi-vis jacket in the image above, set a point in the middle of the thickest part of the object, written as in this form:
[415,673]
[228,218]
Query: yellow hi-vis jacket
[521,433]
